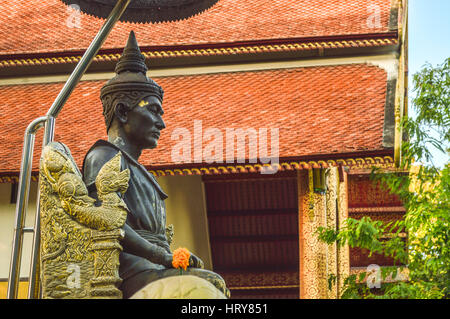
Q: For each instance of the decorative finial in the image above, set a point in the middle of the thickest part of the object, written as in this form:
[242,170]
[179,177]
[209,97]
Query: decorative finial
[132,59]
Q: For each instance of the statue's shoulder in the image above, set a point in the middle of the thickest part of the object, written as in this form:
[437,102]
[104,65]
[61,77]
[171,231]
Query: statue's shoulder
[101,151]
[97,156]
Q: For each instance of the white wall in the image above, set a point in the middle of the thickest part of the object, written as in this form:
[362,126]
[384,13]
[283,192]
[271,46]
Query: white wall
[187,212]
[7,225]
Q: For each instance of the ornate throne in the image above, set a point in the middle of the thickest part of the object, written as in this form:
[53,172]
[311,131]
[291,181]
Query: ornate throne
[80,240]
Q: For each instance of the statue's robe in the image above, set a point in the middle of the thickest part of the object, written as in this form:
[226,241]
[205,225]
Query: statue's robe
[144,199]
[147,217]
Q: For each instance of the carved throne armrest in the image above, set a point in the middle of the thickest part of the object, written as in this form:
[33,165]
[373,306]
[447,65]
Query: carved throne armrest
[80,242]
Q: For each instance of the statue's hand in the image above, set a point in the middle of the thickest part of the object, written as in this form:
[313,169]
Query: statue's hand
[196,262]
[167,262]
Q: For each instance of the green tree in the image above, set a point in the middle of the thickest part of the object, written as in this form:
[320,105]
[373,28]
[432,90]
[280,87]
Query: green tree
[425,191]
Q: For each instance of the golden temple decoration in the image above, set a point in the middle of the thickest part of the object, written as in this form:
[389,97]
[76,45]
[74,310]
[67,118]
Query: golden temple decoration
[330,219]
[311,196]
[319,261]
[80,241]
[343,252]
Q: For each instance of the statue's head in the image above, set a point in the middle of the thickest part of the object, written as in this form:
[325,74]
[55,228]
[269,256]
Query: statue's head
[132,102]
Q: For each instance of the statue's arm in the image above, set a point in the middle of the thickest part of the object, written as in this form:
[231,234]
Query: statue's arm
[132,243]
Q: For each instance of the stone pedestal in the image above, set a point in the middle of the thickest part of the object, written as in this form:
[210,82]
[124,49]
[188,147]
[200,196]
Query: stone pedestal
[106,249]
[179,287]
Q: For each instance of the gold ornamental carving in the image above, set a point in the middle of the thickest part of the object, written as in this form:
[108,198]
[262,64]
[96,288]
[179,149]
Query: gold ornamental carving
[80,240]
[319,261]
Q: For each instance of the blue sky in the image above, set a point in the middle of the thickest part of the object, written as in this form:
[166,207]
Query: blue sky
[429,32]
[429,40]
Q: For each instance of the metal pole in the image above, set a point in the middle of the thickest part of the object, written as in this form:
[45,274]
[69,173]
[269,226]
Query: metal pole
[87,58]
[34,287]
[61,99]
[21,205]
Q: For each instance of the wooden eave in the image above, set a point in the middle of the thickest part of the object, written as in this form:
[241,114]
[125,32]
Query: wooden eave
[219,53]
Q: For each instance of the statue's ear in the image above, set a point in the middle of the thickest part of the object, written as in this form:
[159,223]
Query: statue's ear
[120,112]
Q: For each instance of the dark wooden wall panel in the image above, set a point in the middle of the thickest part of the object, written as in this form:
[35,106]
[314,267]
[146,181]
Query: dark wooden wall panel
[253,226]
[366,198]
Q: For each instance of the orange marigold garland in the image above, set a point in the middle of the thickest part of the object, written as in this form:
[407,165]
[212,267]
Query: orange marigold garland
[181,258]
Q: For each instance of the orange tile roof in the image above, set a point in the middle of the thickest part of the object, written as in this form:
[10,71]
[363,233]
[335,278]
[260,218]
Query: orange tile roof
[36,26]
[318,110]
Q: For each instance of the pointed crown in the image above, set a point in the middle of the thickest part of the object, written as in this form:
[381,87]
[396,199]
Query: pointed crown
[130,83]
[132,59]
[131,73]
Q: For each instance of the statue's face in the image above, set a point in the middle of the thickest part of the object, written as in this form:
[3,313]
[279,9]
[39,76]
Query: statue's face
[144,122]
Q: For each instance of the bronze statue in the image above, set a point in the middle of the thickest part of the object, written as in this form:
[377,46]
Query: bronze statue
[133,111]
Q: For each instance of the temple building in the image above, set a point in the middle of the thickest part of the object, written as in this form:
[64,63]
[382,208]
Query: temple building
[275,112]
